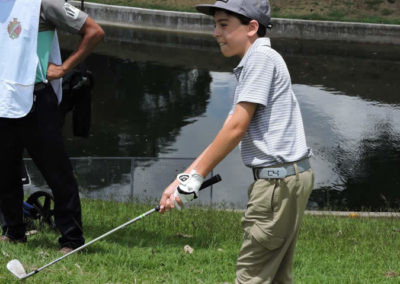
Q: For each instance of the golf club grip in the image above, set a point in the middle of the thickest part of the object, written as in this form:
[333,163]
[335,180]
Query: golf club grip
[212,180]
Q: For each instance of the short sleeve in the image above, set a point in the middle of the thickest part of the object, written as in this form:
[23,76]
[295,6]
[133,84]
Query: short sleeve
[255,79]
[63,15]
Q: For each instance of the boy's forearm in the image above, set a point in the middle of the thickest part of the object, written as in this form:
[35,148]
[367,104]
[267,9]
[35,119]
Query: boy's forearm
[226,140]
[223,144]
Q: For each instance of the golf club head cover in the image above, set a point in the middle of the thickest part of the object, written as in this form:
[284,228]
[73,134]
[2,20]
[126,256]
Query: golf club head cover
[188,188]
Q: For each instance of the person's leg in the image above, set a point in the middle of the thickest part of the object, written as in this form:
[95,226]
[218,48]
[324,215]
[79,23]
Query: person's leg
[284,274]
[271,224]
[45,144]
[259,254]
[304,186]
[11,191]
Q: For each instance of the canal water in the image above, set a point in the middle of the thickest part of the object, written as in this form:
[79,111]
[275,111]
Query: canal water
[164,96]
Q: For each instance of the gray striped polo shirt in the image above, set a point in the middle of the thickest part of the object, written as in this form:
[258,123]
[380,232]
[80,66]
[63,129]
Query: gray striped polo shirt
[276,133]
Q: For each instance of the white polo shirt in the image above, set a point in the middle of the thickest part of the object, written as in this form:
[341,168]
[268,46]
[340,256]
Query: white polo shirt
[276,133]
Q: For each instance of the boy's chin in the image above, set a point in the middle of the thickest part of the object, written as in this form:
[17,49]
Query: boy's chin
[226,54]
[229,52]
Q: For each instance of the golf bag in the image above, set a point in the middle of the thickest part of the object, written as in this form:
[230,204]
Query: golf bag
[77,96]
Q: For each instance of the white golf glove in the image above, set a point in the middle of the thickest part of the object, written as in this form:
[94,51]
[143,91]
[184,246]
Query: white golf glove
[189,185]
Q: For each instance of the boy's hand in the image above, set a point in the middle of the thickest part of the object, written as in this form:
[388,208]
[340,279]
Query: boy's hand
[167,201]
[189,185]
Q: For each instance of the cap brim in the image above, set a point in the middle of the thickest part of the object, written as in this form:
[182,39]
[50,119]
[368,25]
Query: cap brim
[206,9]
[210,9]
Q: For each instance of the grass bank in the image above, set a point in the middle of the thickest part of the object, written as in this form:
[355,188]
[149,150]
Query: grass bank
[368,11]
[329,250]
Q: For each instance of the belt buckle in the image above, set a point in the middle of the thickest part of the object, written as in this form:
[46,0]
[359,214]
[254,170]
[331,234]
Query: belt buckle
[274,172]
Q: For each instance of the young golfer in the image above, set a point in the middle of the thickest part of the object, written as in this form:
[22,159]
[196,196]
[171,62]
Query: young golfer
[265,119]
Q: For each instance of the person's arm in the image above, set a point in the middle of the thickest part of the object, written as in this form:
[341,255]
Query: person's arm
[91,34]
[226,140]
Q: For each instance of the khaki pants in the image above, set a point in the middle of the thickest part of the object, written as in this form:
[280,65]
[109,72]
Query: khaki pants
[271,224]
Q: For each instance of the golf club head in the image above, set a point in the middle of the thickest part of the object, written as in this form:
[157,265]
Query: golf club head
[16,268]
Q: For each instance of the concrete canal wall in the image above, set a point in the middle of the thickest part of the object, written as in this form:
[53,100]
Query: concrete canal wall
[283,28]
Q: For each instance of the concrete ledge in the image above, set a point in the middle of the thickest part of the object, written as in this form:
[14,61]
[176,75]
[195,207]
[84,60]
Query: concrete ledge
[337,31]
[148,18]
[345,214]
[283,28]
[350,214]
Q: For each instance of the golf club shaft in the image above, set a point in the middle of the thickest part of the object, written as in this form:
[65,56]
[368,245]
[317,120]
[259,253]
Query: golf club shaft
[207,183]
[92,241]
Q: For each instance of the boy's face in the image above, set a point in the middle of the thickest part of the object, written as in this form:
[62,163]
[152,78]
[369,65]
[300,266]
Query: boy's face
[231,34]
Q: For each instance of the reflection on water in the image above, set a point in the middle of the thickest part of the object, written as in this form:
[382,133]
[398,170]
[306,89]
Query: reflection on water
[159,95]
[138,107]
[356,147]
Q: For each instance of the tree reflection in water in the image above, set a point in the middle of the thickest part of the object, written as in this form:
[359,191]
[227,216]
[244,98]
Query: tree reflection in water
[140,107]
[150,85]
[373,181]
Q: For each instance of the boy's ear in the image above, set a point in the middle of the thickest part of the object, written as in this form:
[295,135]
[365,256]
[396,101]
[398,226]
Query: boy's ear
[252,28]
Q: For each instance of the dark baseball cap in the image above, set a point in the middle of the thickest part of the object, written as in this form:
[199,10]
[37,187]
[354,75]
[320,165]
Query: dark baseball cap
[254,9]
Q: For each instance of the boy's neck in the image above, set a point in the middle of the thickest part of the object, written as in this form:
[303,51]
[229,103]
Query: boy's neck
[251,41]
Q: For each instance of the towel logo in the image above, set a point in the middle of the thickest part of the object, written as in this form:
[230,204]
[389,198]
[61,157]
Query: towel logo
[14,29]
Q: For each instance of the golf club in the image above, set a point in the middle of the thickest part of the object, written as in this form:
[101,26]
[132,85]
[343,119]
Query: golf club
[16,268]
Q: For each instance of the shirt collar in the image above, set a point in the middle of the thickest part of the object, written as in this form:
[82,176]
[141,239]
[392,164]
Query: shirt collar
[259,42]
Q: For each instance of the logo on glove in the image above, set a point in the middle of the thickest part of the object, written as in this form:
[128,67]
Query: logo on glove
[189,185]
[183,177]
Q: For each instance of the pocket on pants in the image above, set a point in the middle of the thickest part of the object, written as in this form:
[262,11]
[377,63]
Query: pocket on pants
[261,199]
[267,240]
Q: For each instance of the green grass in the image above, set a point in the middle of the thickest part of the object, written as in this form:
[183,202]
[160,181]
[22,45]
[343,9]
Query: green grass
[369,11]
[346,250]
[151,250]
